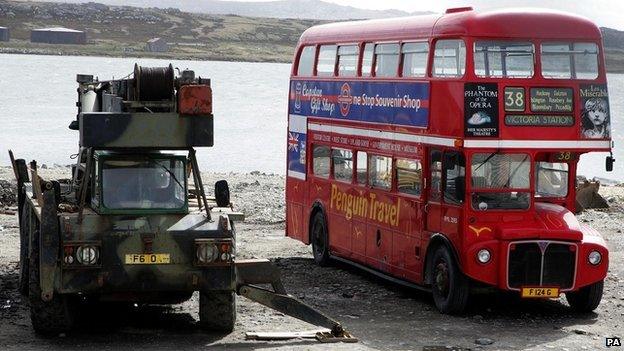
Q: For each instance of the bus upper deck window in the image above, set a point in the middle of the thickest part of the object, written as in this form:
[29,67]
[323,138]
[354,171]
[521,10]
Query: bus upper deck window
[367,59]
[347,60]
[415,59]
[326,60]
[386,60]
[570,60]
[507,59]
[306,62]
[449,58]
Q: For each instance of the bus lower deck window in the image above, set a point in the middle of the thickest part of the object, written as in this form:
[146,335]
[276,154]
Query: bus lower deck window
[570,60]
[380,172]
[409,176]
[343,165]
[320,161]
[507,59]
[362,167]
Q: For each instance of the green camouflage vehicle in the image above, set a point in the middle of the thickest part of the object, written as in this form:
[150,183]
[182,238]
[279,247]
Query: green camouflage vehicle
[134,224]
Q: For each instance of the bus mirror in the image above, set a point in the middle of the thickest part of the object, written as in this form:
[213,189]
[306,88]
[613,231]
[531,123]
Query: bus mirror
[609,163]
[222,193]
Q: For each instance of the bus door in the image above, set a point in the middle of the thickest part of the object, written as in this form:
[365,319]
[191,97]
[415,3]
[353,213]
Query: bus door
[447,172]
[433,208]
[406,241]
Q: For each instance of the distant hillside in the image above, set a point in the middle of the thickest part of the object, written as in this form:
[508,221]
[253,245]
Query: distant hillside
[302,9]
[124,30]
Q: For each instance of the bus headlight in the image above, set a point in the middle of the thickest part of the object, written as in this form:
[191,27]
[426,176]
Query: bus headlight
[484,256]
[87,254]
[594,257]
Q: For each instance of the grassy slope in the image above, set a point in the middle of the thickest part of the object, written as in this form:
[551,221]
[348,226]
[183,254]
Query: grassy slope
[117,31]
[123,31]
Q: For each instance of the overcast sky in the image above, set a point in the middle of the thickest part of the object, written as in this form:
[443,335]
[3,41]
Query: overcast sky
[605,13]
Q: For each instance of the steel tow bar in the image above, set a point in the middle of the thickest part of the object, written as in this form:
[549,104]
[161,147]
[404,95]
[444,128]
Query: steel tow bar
[293,307]
[263,272]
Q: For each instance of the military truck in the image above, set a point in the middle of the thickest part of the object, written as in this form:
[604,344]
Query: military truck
[134,223]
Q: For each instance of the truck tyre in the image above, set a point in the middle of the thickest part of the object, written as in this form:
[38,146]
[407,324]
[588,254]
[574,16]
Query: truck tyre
[47,317]
[448,284]
[587,298]
[217,310]
[320,240]
[24,237]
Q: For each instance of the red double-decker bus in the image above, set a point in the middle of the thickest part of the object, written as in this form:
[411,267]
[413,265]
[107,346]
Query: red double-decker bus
[441,151]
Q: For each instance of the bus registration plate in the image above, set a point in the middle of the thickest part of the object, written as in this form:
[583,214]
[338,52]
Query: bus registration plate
[148,259]
[540,292]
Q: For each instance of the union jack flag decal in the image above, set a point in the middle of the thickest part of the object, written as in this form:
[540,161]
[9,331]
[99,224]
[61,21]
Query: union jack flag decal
[293,141]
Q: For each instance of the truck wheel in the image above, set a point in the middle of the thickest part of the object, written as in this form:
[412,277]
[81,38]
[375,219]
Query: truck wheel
[47,317]
[448,284]
[24,237]
[587,298]
[320,240]
[217,310]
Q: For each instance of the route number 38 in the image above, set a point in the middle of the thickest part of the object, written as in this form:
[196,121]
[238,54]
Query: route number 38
[514,99]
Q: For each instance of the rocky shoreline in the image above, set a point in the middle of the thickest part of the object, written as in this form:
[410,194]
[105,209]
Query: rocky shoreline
[258,195]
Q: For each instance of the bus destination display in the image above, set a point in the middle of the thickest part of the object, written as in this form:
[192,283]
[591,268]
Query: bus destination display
[551,99]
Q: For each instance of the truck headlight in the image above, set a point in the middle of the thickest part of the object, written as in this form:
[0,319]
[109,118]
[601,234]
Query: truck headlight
[594,257]
[207,253]
[484,256]
[87,254]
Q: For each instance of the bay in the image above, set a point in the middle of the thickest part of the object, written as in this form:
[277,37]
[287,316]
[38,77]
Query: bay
[38,95]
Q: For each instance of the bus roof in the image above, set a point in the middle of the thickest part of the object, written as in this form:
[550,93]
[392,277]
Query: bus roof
[529,23]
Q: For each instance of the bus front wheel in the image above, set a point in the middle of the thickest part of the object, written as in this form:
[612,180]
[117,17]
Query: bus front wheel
[587,298]
[320,241]
[448,284]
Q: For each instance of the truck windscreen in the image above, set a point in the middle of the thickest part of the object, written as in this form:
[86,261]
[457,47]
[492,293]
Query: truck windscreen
[143,184]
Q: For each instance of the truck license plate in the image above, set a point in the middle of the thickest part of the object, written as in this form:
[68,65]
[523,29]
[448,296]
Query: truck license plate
[148,259]
[540,292]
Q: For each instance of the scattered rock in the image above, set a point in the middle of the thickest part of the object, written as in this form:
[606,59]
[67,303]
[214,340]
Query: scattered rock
[580,331]
[484,341]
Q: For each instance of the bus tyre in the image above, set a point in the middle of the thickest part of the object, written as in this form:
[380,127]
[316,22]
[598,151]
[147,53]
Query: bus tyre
[24,237]
[320,240]
[47,317]
[448,284]
[587,298]
[217,310]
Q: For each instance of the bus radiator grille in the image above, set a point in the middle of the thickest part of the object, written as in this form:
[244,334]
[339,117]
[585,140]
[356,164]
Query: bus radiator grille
[541,264]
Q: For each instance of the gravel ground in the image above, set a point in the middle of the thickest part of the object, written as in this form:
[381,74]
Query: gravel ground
[382,315]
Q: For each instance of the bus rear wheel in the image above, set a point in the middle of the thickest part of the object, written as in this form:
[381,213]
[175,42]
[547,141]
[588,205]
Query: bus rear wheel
[320,240]
[587,298]
[449,286]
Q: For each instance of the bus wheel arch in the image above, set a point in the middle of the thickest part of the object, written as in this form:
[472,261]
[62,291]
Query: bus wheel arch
[318,234]
[449,285]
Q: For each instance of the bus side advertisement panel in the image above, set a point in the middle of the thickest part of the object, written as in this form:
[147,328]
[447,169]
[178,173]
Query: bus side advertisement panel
[398,103]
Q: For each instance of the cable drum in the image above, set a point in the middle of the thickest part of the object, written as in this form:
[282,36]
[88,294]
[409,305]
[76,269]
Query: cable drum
[153,83]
